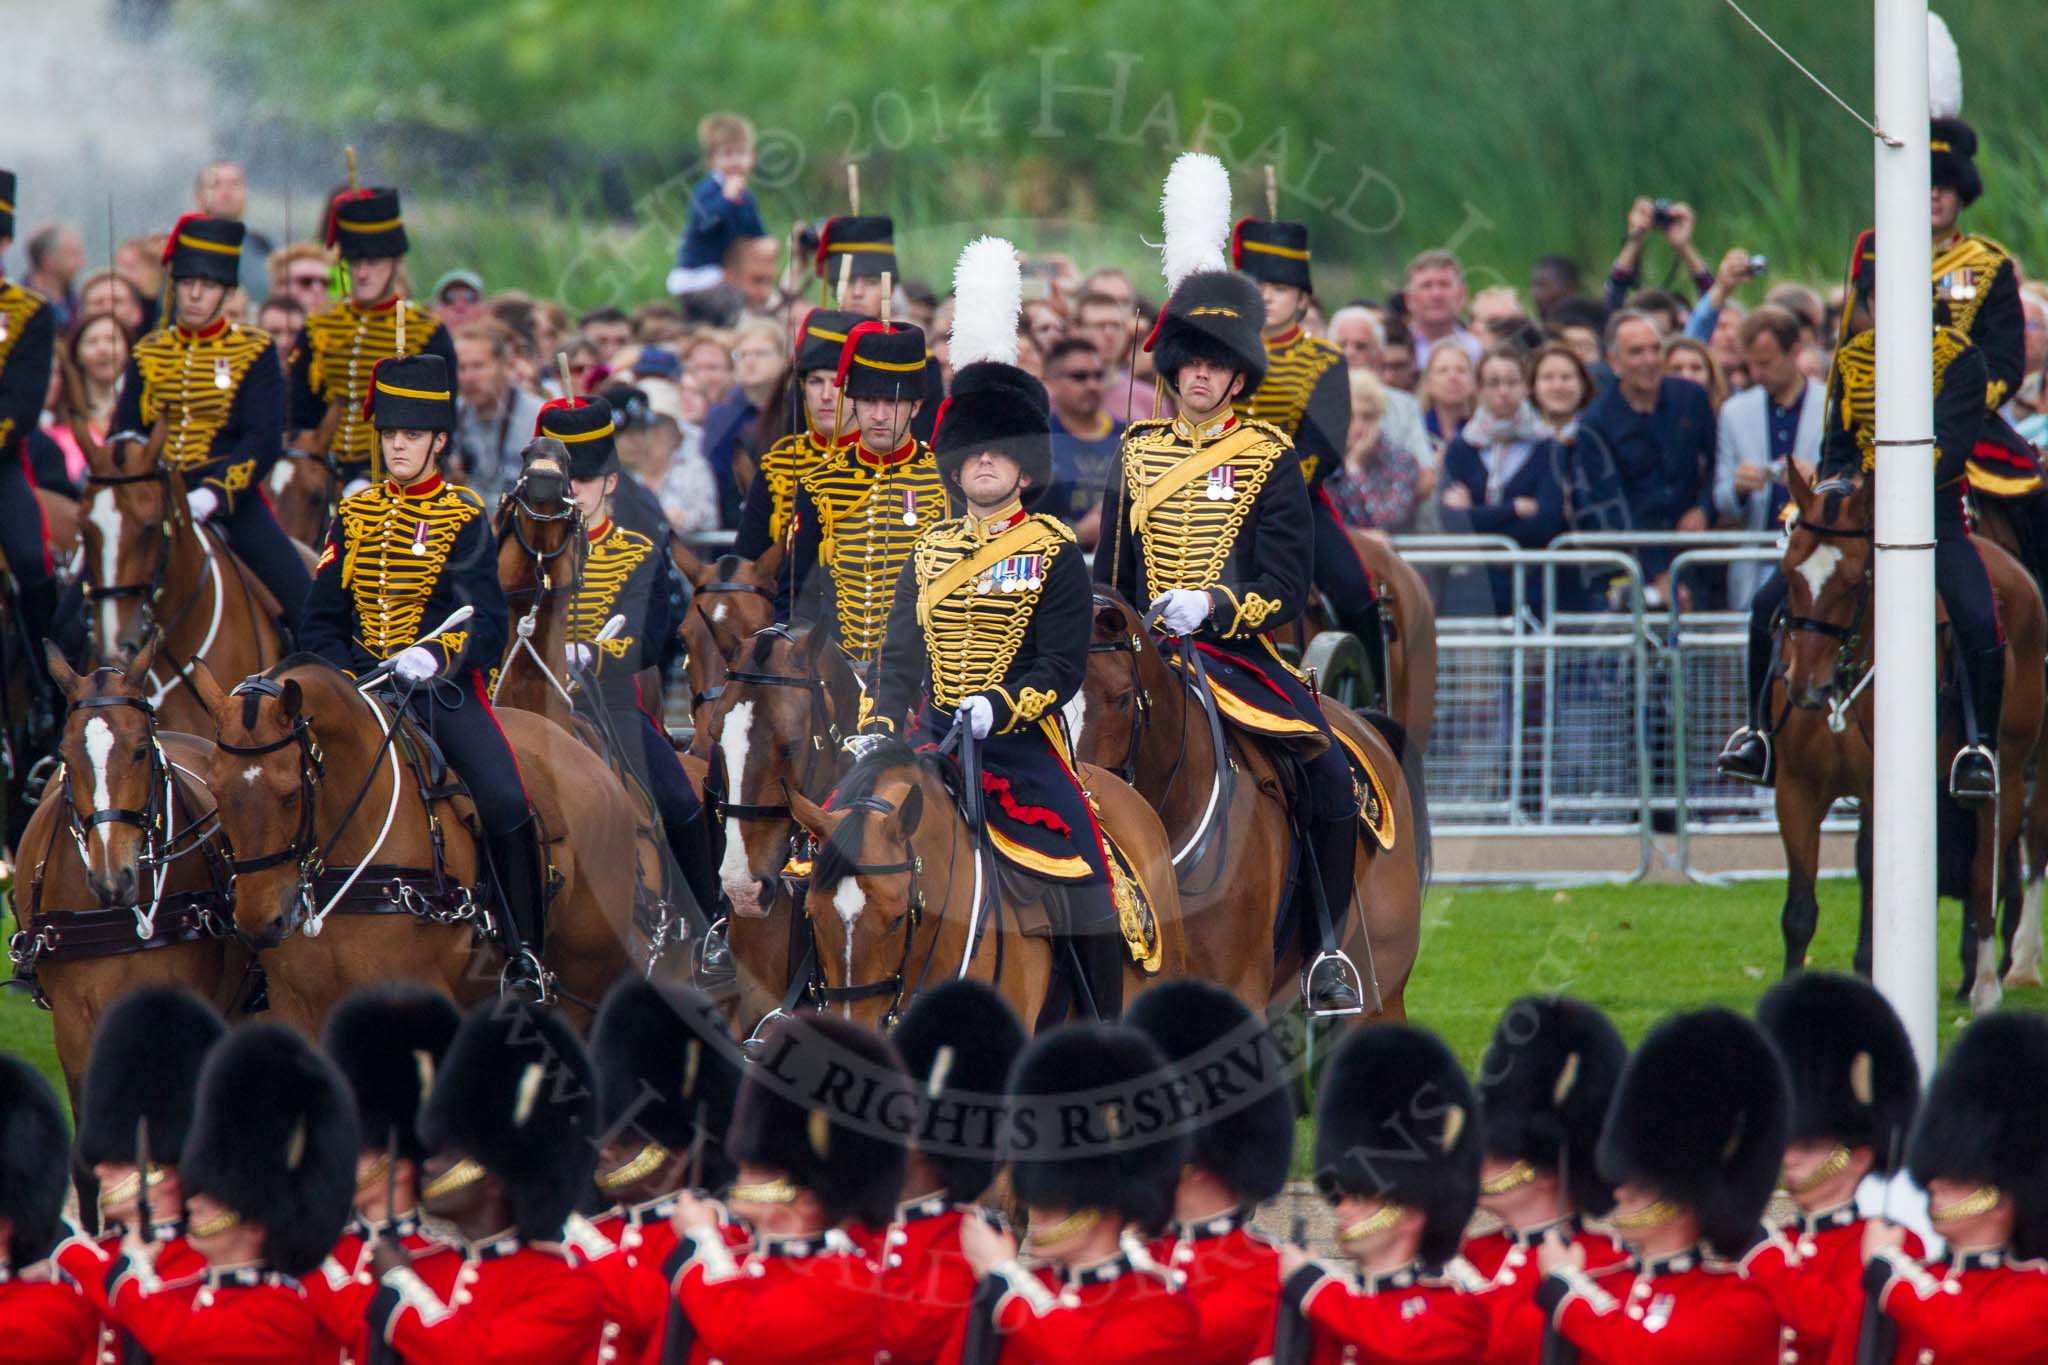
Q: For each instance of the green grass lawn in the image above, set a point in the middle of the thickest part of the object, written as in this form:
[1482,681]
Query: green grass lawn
[1639,952]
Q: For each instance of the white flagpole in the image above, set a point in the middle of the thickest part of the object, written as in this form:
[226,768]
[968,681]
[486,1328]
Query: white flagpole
[1904,847]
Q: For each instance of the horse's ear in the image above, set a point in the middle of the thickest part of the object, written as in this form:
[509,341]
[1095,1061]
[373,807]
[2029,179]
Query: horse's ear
[1802,491]
[87,447]
[1109,621]
[910,812]
[770,562]
[137,675]
[1864,500]
[208,687]
[687,563]
[61,672]
[812,817]
[159,435]
[291,698]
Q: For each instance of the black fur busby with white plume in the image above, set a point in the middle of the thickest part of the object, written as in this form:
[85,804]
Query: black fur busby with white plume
[1213,314]
[993,405]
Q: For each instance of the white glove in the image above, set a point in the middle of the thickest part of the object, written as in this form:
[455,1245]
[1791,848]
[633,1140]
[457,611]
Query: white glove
[580,657]
[979,715]
[353,487]
[204,502]
[859,747]
[416,664]
[1182,610]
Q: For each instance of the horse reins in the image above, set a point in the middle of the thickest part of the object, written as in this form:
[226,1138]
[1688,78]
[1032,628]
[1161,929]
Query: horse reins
[1849,637]
[820,700]
[717,690]
[543,580]
[891,986]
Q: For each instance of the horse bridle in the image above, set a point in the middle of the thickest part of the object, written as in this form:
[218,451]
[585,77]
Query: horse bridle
[820,700]
[893,984]
[543,580]
[717,690]
[312,768]
[159,849]
[151,591]
[1142,696]
[1849,637]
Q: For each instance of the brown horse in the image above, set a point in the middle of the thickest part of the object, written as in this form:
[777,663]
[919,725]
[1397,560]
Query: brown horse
[60,519]
[776,725]
[541,552]
[1994,522]
[126,879]
[302,492]
[328,816]
[732,600]
[148,568]
[1228,819]
[1820,702]
[1408,627]
[893,896]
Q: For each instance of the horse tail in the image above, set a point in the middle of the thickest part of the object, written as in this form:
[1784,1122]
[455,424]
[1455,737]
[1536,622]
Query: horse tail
[1396,736]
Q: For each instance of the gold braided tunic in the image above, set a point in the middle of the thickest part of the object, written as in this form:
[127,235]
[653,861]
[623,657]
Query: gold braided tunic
[854,521]
[1306,395]
[342,346]
[219,393]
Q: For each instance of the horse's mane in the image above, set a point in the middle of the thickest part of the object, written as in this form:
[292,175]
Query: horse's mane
[840,854]
[303,660]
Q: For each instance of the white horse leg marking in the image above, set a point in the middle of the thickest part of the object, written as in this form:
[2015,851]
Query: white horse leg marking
[733,742]
[1986,995]
[2026,940]
[105,515]
[849,900]
[99,747]
[1818,567]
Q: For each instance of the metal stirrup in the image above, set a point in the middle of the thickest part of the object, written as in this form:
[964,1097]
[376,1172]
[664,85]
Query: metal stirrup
[1347,968]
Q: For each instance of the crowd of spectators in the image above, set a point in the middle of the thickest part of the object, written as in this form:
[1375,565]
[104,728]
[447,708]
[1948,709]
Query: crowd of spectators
[1515,411]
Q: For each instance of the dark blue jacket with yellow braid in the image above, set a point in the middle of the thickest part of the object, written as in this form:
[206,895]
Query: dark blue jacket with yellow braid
[1849,445]
[624,574]
[397,562]
[220,393]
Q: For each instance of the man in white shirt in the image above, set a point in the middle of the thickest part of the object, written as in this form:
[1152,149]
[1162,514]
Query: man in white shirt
[1435,295]
[1778,417]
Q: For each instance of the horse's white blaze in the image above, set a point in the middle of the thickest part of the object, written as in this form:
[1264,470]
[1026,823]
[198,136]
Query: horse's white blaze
[281,475]
[251,773]
[849,900]
[1986,995]
[2026,940]
[105,515]
[733,742]
[718,612]
[1818,567]
[99,747]
[1076,713]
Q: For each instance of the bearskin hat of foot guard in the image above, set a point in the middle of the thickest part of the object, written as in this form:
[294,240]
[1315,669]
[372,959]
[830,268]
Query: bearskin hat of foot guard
[1701,1117]
[517,1092]
[1851,1067]
[667,1069]
[388,1041]
[144,1064]
[959,1041]
[1244,1133]
[1215,315]
[1952,159]
[33,1140]
[1543,1090]
[1398,1121]
[275,1139]
[798,1115]
[1984,1116]
[1090,1127]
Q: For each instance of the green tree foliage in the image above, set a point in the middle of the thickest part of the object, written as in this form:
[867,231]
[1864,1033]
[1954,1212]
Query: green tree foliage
[554,138]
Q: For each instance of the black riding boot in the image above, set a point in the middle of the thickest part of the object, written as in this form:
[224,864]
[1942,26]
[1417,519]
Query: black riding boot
[1747,755]
[1375,641]
[1099,945]
[1333,849]
[521,877]
[1973,775]
[690,844]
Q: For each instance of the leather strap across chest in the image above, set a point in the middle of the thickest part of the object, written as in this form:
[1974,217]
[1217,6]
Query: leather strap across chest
[1193,466]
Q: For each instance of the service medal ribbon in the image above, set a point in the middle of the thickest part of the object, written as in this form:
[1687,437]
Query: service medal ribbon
[909,508]
[419,537]
[221,378]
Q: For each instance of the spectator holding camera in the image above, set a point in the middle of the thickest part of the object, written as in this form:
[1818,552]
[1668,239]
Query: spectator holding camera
[1673,222]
